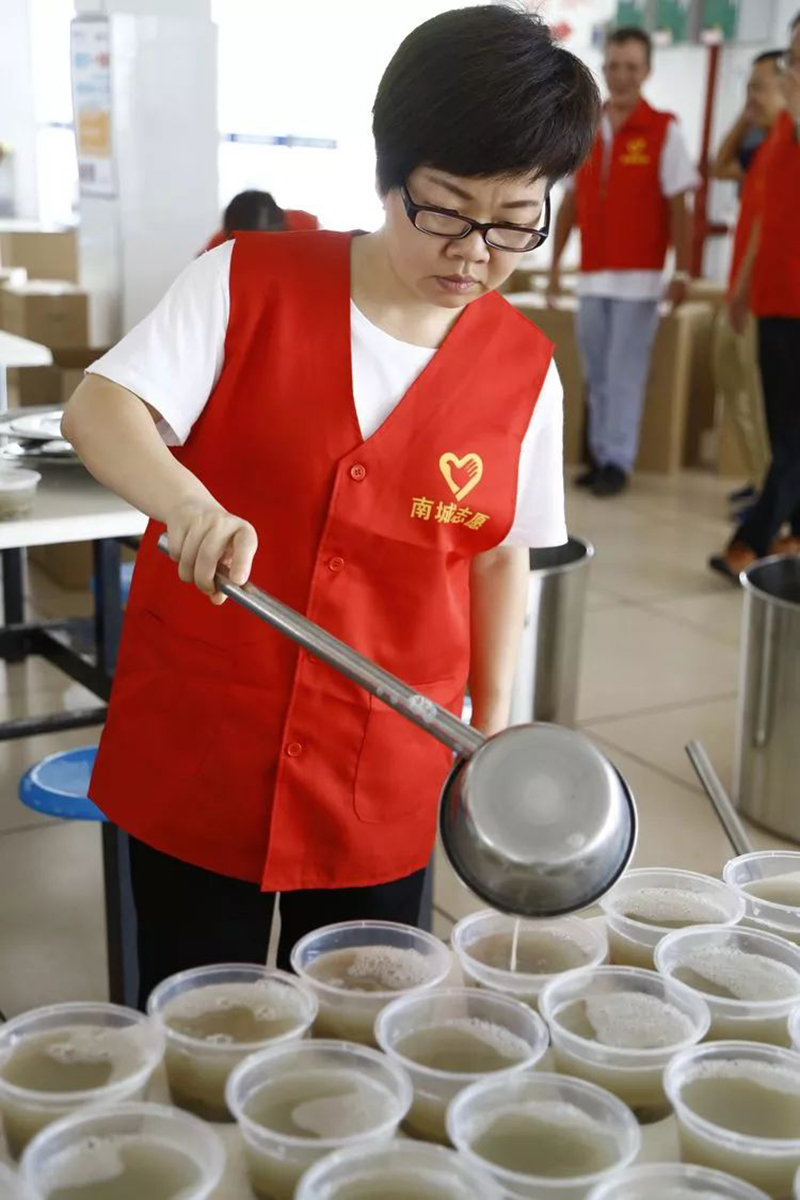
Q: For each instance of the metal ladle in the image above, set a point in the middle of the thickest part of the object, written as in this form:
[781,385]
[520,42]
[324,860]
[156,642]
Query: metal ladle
[534,820]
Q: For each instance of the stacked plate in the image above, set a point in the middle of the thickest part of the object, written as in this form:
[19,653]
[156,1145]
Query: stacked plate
[34,439]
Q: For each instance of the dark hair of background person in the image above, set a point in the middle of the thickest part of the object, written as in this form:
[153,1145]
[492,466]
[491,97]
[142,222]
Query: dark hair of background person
[483,92]
[253,210]
[773,56]
[632,33]
[795,23]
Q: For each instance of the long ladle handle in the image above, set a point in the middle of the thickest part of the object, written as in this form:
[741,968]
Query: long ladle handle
[712,785]
[431,717]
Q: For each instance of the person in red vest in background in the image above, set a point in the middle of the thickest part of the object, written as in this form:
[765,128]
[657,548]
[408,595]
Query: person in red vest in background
[740,158]
[768,285]
[629,202]
[364,426]
[254,210]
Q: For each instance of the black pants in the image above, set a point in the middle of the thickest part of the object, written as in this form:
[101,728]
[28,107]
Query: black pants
[779,360]
[189,917]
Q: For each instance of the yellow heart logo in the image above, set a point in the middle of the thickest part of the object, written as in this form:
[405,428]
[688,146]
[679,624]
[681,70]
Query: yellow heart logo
[471,466]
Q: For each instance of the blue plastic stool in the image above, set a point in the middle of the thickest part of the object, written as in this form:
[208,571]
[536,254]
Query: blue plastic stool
[57,786]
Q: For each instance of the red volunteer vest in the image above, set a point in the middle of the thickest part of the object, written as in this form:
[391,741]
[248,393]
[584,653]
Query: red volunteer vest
[227,747]
[749,202]
[622,214]
[776,276]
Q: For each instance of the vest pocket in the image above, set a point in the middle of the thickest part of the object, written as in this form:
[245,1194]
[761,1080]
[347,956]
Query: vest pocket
[401,768]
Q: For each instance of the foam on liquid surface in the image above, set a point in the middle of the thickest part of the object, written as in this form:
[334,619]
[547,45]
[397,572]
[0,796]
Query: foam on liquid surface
[627,1021]
[73,1059]
[333,1103]
[122,1168]
[669,908]
[230,1013]
[464,1044]
[372,968]
[732,974]
[534,952]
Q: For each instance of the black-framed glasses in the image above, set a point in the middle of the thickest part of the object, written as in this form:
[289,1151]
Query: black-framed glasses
[446,223]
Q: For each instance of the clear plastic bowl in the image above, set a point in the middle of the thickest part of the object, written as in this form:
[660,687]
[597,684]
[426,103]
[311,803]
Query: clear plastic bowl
[400,1169]
[26,1110]
[17,491]
[634,1073]
[748,1076]
[529,1105]
[566,943]
[632,942]
[435,1088]
[675,1181]
[198,1068]
[104,1134]
[748,1019]
[758,868]
[349,1013]
[12,1187]
[794,1029]
[327,1074]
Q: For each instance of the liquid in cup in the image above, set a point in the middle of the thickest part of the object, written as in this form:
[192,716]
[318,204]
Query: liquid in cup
[213,1017]
[398,1171]
[543,1135]
[749,979]
[738,1110]
[675,1181]
[125,1152]
[296,1103]
[485,944]
[618,1027]
[647,904]
[446,1038]
[357,967]
[57,1059]
[769,882]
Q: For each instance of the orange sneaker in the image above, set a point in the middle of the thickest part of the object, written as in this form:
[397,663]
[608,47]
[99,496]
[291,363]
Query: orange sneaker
[737,558]
[786,545]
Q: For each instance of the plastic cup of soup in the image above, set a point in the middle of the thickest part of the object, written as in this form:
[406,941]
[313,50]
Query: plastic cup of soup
[738,1111]
[769,882]
[213,1017]
[402,1170]
[647,904]
[619,1027]
[146,1151]
[675,1181]
[17,492]
[449,1037]
[57,1059]
[794,1029]
[12,1187]
[749,980]
[357,967]
[298,1102]
[484,945]
[543,1135]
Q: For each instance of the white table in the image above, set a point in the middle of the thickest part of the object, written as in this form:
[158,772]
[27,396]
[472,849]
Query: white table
[71,507]
[18,352]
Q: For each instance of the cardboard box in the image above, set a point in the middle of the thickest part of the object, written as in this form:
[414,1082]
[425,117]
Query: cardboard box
[33,386]
[70,564]
[53,313]
[45,253]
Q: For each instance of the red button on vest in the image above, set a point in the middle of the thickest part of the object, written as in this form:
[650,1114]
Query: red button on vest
[294,749]
[336,564]
[358,472]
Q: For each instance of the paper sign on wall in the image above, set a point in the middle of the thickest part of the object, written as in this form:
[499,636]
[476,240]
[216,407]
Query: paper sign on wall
[91,103]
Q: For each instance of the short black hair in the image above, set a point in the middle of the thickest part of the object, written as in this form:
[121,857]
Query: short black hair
[631,33]
[480,92]
[253,210]
[771,56]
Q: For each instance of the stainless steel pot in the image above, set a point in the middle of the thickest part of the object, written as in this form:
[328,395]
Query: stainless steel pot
[534,820]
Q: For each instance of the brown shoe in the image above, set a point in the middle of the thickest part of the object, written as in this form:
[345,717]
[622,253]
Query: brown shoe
[737,558]
[785,545]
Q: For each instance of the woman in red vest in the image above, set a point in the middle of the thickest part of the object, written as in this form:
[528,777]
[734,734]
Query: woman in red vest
[255,210]
[366,429]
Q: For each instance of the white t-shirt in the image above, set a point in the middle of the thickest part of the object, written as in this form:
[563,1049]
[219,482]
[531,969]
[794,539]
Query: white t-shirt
[173,359]
[677,174]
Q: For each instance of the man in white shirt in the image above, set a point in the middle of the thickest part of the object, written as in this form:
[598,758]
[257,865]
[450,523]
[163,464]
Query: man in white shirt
[629,201]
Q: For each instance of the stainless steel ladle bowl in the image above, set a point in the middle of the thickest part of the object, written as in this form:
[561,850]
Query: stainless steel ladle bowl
[534,820]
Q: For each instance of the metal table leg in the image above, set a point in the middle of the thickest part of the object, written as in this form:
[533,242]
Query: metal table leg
[14,594]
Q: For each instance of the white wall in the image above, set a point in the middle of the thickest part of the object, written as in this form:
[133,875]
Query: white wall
[17,103]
